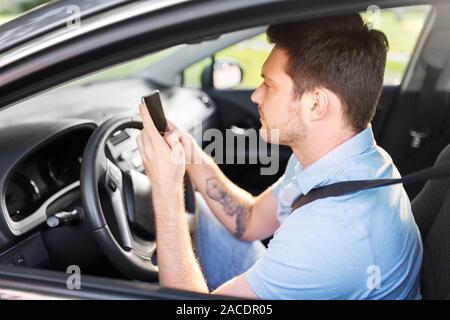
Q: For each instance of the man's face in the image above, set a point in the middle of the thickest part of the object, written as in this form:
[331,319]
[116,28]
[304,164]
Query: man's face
[280,114]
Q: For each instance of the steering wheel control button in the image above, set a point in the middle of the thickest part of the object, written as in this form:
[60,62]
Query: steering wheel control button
[136,161]
[113,180]
[123,156]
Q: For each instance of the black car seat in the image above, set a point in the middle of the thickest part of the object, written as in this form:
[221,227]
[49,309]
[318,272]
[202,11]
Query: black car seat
[431,209]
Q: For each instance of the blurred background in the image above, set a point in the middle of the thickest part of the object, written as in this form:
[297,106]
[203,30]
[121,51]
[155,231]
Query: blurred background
[401,25]
[11,8]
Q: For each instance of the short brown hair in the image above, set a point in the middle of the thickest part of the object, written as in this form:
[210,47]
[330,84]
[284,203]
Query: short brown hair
[340,54]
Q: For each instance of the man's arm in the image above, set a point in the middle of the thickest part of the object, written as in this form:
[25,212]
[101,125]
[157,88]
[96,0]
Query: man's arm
[237,287]
[245,216]
[178,267]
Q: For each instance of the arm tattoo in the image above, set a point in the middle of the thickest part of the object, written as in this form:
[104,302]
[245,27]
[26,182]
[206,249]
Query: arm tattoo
[217,192]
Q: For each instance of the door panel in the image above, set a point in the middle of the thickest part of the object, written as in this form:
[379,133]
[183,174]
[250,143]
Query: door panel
[237,114]
[385,104]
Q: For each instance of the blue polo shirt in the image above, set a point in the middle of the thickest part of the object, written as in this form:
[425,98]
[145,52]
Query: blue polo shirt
[364,245]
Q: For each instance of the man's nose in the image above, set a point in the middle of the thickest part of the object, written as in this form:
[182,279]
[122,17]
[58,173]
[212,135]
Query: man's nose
[255,97]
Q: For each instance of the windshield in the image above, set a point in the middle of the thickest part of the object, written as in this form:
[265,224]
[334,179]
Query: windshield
[128,69]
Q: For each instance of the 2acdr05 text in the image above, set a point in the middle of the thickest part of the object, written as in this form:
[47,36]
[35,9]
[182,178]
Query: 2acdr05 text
[246,309]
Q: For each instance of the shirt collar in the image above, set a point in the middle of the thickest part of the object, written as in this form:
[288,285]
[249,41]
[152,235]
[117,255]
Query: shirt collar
[321,171]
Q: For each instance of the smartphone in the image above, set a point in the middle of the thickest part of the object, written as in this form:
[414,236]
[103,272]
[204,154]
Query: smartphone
[154,107]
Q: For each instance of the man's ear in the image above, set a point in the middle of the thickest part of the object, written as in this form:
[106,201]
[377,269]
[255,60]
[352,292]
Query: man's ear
[320,104]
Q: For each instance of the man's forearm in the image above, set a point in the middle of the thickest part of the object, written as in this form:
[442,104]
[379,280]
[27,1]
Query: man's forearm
[230,204]
[178,267]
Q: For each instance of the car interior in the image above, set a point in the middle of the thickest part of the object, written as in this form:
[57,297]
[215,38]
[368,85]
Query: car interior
[51,195]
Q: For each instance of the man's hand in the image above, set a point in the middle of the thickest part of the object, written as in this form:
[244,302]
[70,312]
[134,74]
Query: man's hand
[192,151]
[164,162]
[163,157]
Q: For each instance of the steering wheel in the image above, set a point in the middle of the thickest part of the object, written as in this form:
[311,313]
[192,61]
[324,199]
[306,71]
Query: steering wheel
[118,205]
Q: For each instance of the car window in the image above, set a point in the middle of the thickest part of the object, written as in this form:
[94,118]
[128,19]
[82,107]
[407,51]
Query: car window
[127,69]
[402,26]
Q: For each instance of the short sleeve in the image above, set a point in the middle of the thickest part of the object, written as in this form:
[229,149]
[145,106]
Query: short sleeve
[308,258]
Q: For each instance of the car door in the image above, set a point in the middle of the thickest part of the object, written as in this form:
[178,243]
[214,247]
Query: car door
[22,283]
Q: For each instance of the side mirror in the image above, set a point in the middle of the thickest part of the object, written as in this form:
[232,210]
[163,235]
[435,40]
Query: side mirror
[226,74]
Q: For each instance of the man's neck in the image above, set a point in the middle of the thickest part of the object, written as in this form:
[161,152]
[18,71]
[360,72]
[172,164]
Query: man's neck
[315,147]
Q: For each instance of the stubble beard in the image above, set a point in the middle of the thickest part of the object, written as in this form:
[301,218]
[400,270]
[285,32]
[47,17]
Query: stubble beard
[292,133]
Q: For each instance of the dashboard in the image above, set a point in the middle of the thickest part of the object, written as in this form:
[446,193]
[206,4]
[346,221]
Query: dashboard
[42,154]
[44,173]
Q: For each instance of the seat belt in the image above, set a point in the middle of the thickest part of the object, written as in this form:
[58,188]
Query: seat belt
[345,187]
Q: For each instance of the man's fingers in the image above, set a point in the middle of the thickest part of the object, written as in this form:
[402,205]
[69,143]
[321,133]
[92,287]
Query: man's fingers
[176,132]
[177,151]
[170,125]
[172,128]
[173,140]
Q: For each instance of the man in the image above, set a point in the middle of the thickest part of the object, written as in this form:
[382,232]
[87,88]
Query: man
[322,82]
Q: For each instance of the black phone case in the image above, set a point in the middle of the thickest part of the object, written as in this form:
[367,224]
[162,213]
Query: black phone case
[154,107]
